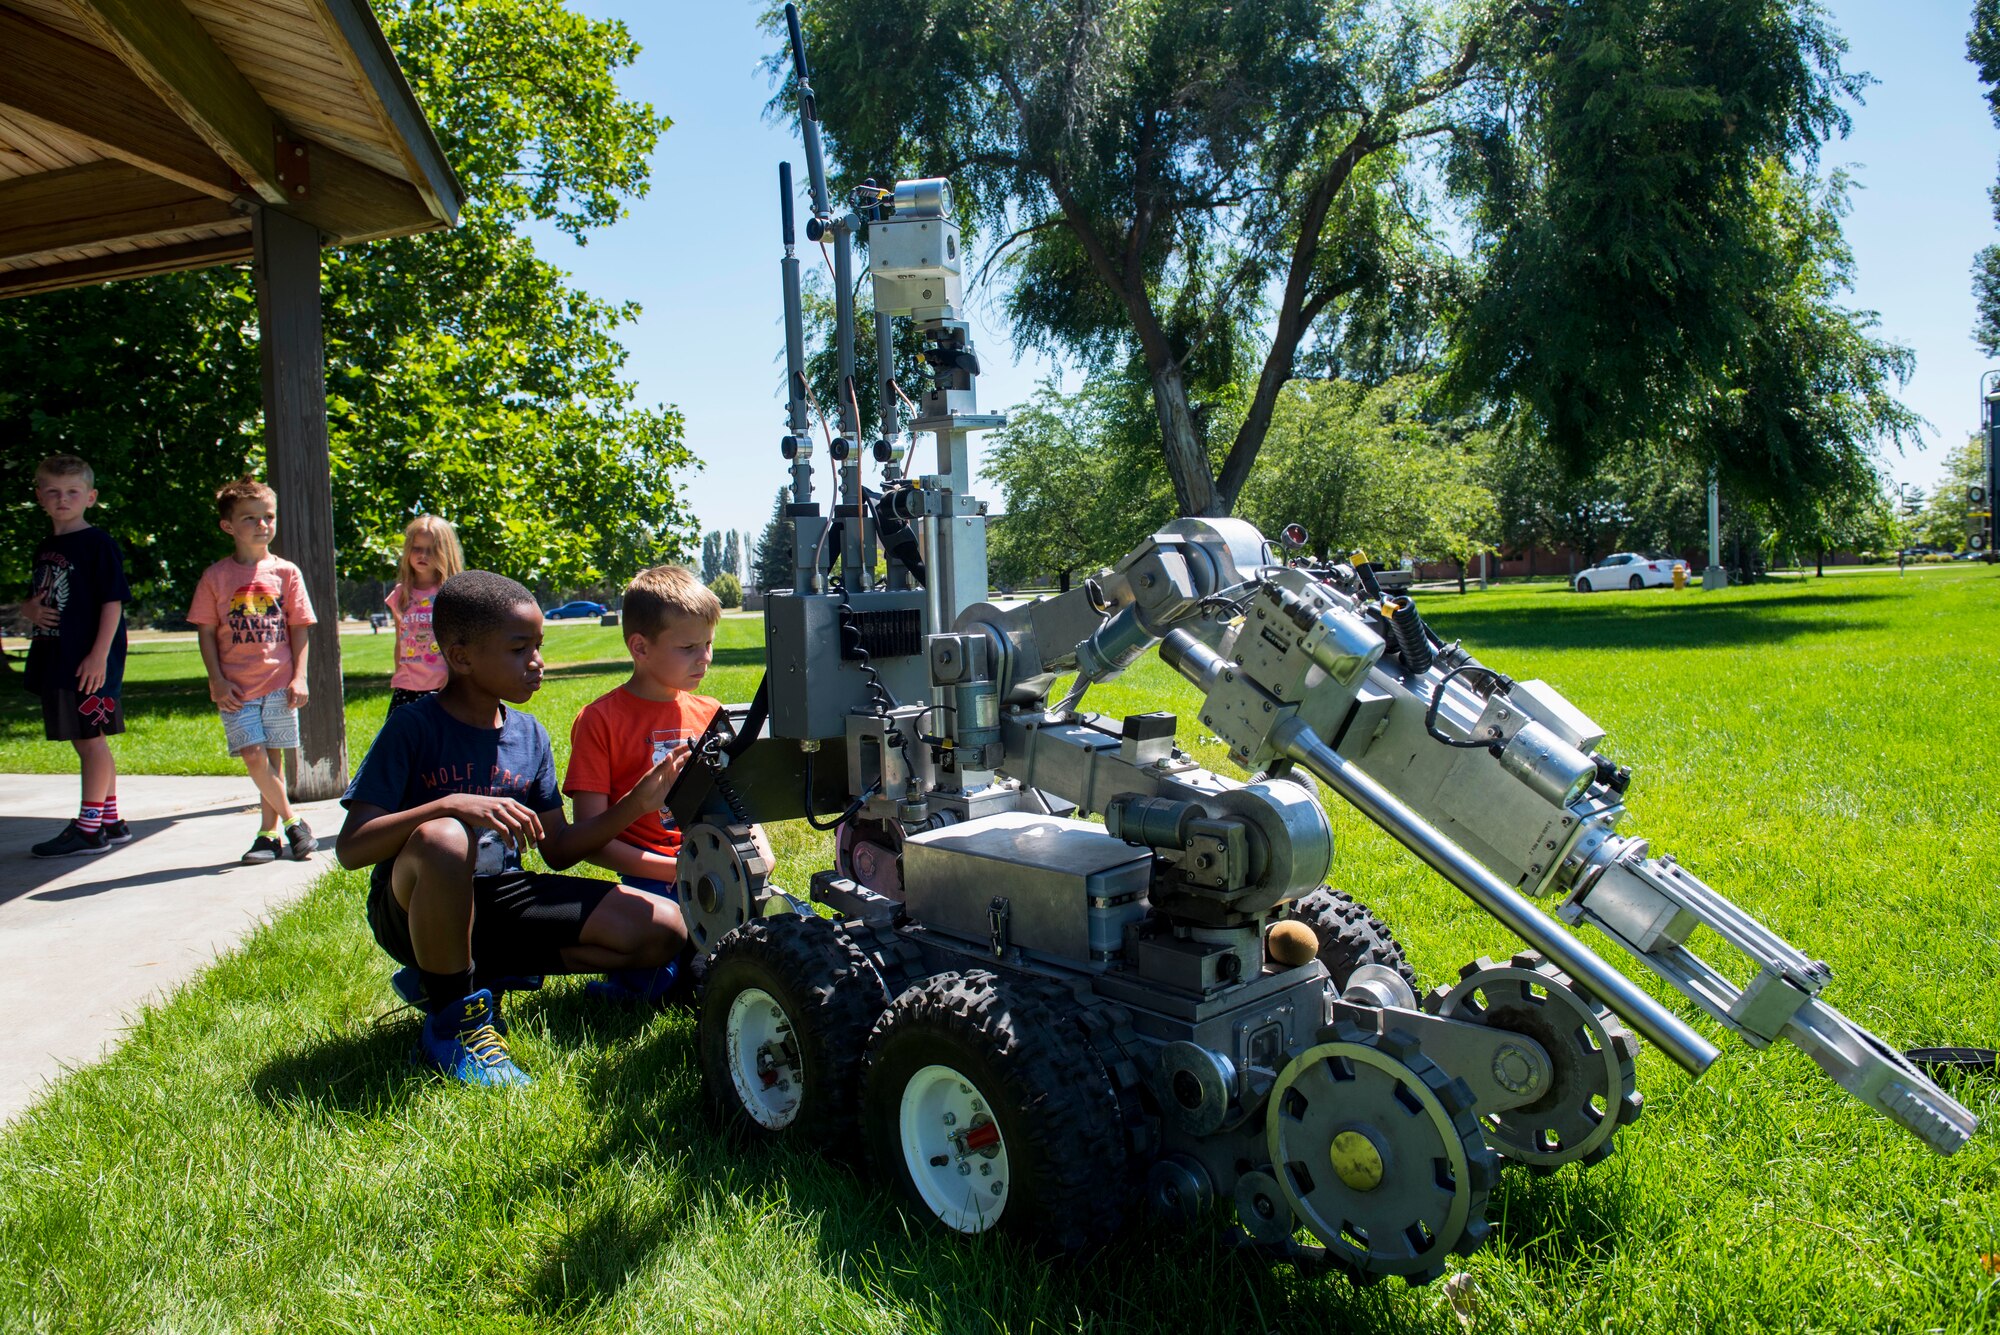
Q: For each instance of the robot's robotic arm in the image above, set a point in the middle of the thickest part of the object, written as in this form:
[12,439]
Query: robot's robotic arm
[1498,785]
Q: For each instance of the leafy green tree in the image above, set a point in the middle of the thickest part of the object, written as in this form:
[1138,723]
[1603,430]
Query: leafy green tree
[711,557]
[1664,497]
[1811,388]
[464,376]
[1160,167]
[1838,522]
[1649,270]
[1373,468]
[1079,485]
[1982,48]
[727,589]
[164,405]
[1541,505]
[1946,518]
[772,568]
[1214,192]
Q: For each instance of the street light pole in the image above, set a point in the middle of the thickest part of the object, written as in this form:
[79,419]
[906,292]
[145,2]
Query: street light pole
[1715,577]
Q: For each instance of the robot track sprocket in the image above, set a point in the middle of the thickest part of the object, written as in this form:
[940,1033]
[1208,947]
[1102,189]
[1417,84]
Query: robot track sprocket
[1593,1089]
[1376,1150]
[723,877]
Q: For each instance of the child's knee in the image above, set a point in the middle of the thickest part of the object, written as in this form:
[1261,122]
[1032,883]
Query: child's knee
[668,925]
[646,927]
[436,860]
[440,842]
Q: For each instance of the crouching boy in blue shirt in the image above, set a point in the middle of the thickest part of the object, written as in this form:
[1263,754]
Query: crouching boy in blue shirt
[455,788]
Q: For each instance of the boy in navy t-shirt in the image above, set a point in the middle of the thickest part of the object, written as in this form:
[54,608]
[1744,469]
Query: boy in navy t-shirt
[76,649]
[454,790]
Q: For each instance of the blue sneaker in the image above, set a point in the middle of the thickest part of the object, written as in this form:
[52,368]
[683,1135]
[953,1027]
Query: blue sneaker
[460,1040]
[408,984]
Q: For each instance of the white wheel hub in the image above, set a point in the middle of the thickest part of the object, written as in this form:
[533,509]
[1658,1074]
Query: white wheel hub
[764,1059]
[953,1149]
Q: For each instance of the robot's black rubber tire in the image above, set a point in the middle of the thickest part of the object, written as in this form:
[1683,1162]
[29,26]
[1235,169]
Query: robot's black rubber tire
[1069,1172]
[830,998]
[1349,937]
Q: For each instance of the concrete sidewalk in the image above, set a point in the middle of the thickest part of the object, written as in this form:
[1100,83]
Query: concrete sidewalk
[87,940]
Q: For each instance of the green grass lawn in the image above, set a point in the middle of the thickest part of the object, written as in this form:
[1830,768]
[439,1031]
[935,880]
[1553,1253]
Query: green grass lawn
[259,1155]
[173,728]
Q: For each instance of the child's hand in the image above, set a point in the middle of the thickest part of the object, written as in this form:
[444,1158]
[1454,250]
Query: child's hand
[226,697]
[298,693]
[517,826]
[39,611]
[652,786]
[91,672]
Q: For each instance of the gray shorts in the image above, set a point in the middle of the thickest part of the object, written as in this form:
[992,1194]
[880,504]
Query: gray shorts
[266,721]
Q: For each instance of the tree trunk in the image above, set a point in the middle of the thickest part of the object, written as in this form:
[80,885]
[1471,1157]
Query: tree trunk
[1187,461]
[1821,564]
[1461,574]
[1062,580]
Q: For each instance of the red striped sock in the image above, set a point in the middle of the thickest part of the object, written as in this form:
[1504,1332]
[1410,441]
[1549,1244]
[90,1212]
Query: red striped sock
[111,809]
[91,818]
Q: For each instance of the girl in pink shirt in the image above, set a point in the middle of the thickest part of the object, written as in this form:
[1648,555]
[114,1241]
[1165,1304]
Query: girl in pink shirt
[430,557]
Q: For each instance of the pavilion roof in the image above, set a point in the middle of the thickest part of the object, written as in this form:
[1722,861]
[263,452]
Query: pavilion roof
[140,136]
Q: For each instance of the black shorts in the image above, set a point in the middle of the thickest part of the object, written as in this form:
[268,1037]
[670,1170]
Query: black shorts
[521,920]
[70,717]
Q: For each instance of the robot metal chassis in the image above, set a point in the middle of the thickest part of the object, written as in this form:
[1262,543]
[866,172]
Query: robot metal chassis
[1026,1019]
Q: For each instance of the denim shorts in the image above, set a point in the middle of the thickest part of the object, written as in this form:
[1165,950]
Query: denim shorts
[266,721]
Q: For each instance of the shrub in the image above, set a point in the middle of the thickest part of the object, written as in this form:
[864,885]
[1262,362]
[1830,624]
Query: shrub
[728,589]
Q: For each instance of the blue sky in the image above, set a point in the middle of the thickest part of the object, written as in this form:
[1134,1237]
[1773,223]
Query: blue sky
[700,253]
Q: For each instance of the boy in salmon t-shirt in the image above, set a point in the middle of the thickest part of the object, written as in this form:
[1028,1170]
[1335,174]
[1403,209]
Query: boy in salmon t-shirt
[670,622]
[251,612]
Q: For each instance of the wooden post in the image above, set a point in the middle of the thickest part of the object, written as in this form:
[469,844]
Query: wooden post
[288,321]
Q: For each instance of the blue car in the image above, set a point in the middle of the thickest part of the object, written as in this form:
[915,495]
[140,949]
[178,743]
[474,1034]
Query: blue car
[580,608]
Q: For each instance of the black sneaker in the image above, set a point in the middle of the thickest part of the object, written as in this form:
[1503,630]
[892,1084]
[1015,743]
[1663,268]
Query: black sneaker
[116,832]
[299,839]
[73,840]
[264,849]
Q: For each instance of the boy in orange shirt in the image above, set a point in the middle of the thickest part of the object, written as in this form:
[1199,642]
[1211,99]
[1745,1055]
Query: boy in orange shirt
[670,621]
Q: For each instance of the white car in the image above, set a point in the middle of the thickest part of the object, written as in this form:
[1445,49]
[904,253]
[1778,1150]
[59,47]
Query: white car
[1629,570]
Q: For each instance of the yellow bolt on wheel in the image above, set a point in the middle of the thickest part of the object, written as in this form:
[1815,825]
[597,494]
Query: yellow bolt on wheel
[1358,1160]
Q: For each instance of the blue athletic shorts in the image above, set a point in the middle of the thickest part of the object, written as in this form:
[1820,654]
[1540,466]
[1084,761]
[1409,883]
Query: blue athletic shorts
[266,721]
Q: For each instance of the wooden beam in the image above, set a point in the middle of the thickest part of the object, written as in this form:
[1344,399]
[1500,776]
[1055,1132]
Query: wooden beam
[126,264]
[97,203]
[88,94]
[351,26]
[295,455]
[351,201]
[167,47]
